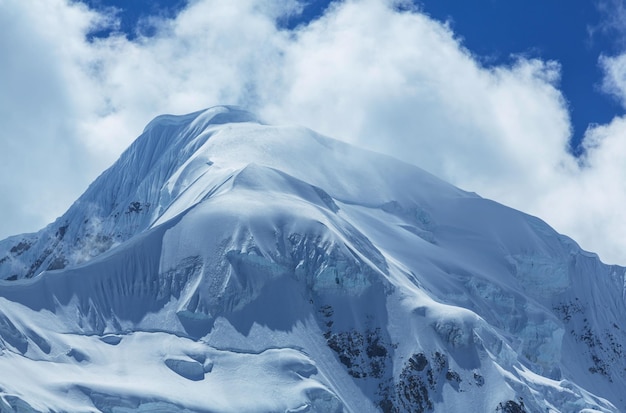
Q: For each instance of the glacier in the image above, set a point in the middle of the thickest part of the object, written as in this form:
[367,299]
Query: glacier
[226,265]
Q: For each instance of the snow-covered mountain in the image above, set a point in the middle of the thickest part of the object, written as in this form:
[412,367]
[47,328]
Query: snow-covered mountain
[224,265]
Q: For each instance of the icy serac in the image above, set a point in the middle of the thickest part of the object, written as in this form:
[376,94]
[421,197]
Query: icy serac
[224,265]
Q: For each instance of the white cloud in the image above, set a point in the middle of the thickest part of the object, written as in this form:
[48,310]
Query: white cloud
[400,83]
[397,82]
[588,205]
[614,82]
[68,104]
[40,152]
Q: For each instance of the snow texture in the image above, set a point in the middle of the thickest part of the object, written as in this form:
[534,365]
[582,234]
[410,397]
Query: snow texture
[224,265]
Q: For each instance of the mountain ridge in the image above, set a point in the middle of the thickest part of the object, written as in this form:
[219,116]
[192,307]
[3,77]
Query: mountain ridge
[360,283]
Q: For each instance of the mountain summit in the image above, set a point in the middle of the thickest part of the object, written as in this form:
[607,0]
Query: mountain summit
[224,265]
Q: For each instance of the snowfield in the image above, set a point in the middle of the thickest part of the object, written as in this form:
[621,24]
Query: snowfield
[224,265]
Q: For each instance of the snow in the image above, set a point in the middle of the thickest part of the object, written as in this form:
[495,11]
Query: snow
[225,265]
[164,368]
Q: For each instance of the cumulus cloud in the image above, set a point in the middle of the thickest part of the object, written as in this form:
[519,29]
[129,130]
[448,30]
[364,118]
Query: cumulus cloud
[70,105]
[401,83]
[368,71]
[39,44]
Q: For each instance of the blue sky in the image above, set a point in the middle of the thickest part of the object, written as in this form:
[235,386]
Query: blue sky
[575,33]
[520,101]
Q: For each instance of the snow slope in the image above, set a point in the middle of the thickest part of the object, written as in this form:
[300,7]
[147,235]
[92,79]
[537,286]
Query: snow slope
[223,265]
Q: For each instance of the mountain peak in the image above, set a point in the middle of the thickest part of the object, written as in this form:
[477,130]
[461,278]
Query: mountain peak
[122,202]
[220,256]
[197,121]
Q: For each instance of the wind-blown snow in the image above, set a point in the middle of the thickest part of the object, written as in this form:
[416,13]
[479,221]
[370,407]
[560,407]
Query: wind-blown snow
[224,265]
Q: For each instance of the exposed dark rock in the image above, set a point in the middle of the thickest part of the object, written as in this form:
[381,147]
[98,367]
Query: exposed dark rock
[20,248]
[57,263]
[416,379]
[61,232]
[38,263]
[479,380]
[511,406]
[137,207]
[364,354]
[77,355]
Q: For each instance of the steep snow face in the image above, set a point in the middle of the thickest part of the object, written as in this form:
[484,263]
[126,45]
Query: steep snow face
[223,265]
[121,203]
